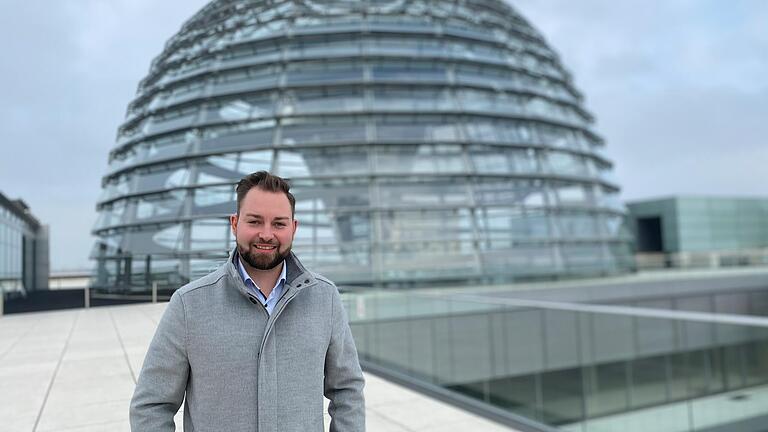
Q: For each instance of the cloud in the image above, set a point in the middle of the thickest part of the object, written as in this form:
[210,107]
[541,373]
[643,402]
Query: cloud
[678,88]
[71,69]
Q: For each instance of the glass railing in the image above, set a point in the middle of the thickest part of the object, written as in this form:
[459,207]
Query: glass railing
[573,367]
[702,259]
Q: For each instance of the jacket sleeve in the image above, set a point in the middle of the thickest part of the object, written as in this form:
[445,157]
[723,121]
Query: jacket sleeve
[343,377]
[160,388]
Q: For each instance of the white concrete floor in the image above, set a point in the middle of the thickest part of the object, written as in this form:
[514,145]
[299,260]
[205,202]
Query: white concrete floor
[75,370]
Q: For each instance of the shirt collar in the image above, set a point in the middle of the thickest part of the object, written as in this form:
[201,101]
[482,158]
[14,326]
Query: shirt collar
[244,274]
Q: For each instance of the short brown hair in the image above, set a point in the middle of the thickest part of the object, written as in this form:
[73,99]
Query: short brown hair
[266,182]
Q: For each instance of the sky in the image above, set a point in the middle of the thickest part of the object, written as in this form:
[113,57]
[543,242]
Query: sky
[678,89]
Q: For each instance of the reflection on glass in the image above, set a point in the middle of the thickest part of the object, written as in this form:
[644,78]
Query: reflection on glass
[164,205]
[210,234]
[170,237]
[578,371]
[420,159]
[372,113]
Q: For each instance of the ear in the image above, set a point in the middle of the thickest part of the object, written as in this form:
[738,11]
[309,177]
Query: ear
[295,227]
[233,224]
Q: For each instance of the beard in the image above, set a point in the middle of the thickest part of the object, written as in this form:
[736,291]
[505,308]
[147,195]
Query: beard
[263,261]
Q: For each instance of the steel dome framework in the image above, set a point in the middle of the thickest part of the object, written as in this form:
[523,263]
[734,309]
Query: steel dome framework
[426,141]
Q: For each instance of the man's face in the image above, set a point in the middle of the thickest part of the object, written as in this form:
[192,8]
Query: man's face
[264,228]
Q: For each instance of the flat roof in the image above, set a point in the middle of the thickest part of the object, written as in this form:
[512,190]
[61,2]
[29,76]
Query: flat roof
[662,198]
[19,210]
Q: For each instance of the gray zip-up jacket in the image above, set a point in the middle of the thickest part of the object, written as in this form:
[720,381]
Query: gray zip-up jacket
[243,370]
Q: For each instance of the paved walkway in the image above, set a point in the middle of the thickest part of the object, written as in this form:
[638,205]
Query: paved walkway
[75,370]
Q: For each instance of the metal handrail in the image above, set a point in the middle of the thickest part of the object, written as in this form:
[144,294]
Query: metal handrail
[499,415]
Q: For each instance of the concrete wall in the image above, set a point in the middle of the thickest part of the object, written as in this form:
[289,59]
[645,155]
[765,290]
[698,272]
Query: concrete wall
[42,260]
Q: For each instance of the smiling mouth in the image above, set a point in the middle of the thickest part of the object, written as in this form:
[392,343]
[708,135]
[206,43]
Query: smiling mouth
[265,247]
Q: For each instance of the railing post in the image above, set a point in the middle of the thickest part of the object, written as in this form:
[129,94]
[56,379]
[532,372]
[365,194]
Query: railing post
[154,292]
[2,300]
[87,293]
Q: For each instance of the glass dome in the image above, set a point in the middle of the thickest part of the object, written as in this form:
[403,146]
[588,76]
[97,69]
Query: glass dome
[427,141]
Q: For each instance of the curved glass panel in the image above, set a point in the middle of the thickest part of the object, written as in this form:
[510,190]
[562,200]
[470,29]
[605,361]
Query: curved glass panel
[426,140]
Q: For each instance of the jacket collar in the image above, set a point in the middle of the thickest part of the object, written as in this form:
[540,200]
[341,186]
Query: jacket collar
[296,275]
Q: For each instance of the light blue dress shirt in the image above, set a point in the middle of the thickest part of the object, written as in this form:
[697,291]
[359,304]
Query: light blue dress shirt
[268,302]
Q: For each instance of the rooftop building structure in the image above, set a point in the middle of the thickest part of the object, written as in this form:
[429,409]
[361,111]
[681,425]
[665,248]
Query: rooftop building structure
[678,351]
[427,141]
[664,351]
[76,370]
[24,264]
[687,231]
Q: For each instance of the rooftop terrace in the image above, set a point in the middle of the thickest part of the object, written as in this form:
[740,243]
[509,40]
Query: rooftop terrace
[75,370]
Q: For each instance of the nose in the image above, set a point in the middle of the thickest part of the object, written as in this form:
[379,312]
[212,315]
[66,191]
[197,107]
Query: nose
[265,235]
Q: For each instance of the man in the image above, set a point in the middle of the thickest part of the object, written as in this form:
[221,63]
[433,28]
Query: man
[256,344]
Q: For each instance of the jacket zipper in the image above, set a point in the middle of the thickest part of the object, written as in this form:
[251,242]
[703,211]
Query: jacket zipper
[271,320]
[270,323]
